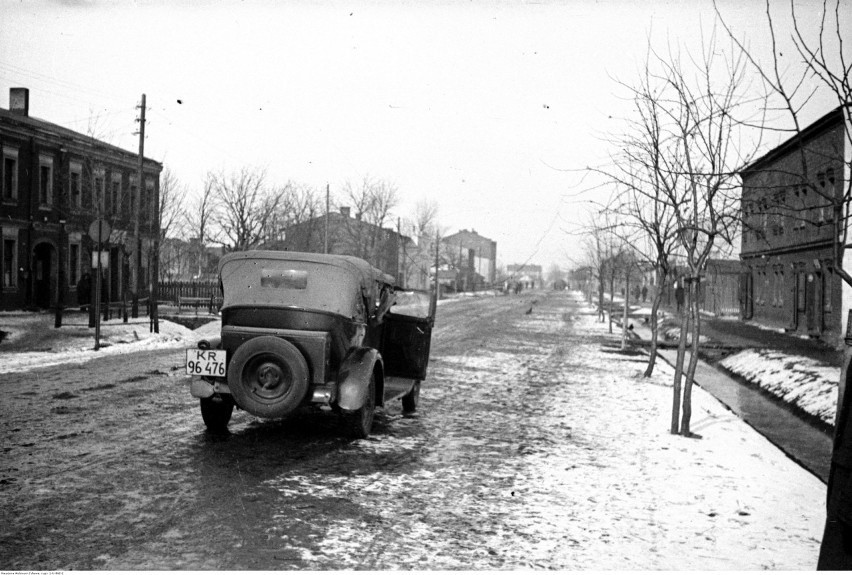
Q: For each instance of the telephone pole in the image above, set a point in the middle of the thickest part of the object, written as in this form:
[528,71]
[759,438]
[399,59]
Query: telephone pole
[327,206]
[135,280]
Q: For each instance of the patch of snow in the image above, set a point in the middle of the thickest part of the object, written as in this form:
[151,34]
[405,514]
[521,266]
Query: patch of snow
[806,383]
[74,344]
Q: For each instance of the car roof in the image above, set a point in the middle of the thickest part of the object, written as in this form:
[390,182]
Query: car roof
[366,272]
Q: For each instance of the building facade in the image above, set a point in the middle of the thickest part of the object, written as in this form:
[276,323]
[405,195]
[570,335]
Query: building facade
[792,210]
[349,236]
[529,276]
[474,257]
[55,183]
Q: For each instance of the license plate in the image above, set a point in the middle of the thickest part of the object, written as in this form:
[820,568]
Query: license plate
[209,362]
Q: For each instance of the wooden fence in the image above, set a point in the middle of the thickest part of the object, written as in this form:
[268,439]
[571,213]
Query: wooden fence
[173,291]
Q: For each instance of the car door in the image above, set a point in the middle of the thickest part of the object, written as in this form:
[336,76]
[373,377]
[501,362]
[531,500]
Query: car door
[406,341]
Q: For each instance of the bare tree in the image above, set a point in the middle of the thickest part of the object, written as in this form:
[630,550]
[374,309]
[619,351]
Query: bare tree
[824,67]
[172,218]
[245,206]
[645,176]
[700,101]
[372,201]
[425,218]
[298,204]
[200,213]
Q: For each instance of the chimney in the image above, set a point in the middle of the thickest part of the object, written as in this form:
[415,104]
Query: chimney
[19,101]
[345,211]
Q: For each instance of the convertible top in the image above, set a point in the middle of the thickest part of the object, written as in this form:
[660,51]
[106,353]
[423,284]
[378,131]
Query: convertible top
[244,277]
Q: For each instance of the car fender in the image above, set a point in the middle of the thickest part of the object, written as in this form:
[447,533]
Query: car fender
[354,379]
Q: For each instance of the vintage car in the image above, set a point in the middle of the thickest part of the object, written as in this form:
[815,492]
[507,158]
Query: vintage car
[304,329]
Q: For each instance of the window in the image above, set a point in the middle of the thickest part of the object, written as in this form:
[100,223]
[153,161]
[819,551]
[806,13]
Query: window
[73,264]
[99,194]
[830,193]
[75,183]
[115,195]
[147,207]
[45,180]
[10,174]
[10,263]
[134,191]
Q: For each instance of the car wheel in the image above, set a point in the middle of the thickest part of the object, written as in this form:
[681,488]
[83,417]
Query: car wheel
[268,376]
[359,423]
[216,414]
[411,400]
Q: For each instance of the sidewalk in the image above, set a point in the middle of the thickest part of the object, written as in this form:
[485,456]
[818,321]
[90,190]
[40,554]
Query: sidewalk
[799,439]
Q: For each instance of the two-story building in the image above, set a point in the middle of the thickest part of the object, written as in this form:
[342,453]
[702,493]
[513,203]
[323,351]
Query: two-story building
[474,257]
[529,276]
[347,235]
[54,183]
[792,209]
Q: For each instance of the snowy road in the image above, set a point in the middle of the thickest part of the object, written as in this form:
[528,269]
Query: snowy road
[536,446]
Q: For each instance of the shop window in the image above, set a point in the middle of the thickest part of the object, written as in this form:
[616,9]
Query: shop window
[10,175]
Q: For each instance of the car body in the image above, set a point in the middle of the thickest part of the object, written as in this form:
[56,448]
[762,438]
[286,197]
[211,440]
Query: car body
[301,329]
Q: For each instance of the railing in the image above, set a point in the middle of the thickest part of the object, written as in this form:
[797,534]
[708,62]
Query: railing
[173,291]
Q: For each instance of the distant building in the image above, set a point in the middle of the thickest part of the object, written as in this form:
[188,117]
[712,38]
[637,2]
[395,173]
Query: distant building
[55,183]
[528,275]
[474,257]
[349,236]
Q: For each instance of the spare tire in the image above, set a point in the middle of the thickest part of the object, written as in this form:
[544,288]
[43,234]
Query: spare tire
[268,376]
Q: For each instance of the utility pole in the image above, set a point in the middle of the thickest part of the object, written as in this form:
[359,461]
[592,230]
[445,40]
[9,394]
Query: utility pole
[327,207]
[400,262]
[135,201]
[155,261]
[433,301]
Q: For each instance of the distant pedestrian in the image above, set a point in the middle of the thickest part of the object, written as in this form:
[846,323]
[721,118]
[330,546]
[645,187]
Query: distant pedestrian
[644,293]
[679,295]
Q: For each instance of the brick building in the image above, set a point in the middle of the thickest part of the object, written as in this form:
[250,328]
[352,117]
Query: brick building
[55,183]
[792,210]
[349,236]
[474,257]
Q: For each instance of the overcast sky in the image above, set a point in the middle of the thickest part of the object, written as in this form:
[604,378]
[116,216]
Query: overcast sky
[489,108]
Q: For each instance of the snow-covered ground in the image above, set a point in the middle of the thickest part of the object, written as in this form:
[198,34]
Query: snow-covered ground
[806,383]
[74,341]
[641,499]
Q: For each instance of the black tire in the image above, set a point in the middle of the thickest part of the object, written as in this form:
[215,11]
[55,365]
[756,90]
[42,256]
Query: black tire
[359,423]
[268,377]
[411,400]
[216,412]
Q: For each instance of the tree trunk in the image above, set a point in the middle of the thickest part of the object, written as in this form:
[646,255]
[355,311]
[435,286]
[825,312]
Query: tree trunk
[678,376]
[611,297]
[652,356]
[624,314]
[601,289]
[655,307]
[693,360]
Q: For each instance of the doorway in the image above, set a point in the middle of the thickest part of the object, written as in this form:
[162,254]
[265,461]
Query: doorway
[44,262]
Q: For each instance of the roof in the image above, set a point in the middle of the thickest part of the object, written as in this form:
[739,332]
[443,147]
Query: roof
[364,270]
[50,129]
[816,128]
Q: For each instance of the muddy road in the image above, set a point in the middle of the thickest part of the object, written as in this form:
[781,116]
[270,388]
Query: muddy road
[107,465]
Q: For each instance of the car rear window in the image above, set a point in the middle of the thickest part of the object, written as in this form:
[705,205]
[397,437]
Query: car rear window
[284,279]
